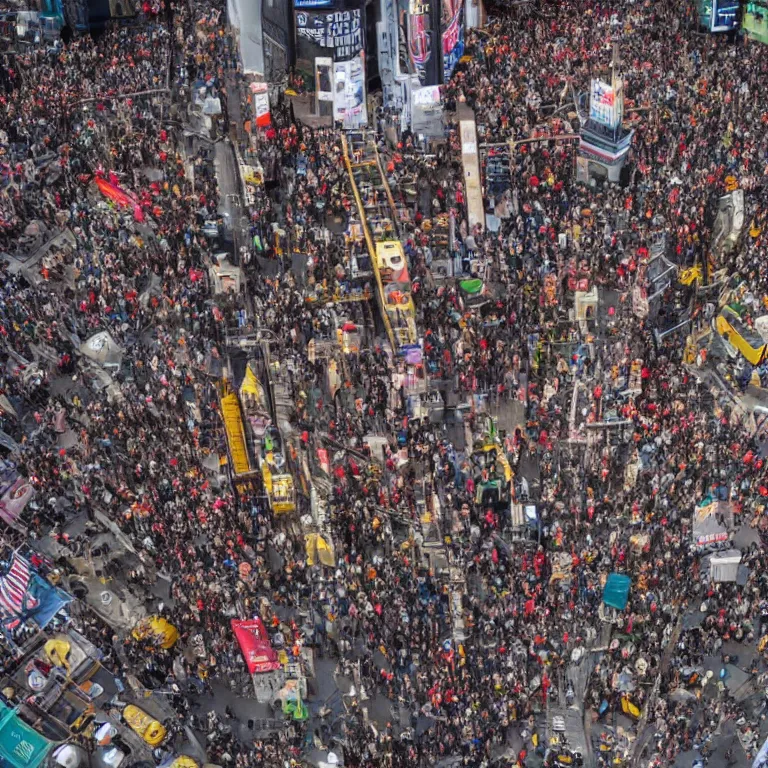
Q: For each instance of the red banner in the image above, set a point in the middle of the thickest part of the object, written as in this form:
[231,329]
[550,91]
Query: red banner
[254,643]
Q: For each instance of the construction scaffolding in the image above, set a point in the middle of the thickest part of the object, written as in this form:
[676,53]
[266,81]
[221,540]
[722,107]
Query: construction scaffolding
[231,415]
[378,218]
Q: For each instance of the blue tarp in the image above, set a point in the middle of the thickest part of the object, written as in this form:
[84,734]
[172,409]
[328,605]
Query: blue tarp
[51,601]
[616,592]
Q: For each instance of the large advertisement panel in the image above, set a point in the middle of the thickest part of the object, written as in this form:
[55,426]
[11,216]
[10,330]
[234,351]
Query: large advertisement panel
[424,44]
[349,92]
[343,32]
[606,105]
[725,15]
[453,36]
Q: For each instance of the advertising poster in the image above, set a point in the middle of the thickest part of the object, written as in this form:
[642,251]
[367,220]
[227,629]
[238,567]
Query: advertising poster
[453,36]
[427,97]
[50,600]
[424,41]
[349,92]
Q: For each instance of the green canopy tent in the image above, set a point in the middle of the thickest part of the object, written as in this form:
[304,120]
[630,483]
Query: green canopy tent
[472,286]
[21,746]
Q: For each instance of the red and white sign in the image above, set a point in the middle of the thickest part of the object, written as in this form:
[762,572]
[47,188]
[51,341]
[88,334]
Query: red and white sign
[261,104]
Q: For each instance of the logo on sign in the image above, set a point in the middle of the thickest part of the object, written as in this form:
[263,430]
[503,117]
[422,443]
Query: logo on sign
[24,750]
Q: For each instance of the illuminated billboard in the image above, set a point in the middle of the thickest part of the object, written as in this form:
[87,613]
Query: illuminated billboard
[719,15]
[606,103]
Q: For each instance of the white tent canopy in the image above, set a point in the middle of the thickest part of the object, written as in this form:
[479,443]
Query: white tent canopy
[724,566]
[103,349]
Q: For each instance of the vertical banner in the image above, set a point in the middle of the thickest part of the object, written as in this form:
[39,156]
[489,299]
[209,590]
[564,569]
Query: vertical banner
[349,92]
[261,104]
[403,55]
[453,36]
[387,36]
[424,43]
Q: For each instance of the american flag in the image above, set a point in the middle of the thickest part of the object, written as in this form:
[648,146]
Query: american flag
[14,586]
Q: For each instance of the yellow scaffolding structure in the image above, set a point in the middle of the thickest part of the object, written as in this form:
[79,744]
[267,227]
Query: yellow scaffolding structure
[369,244]
[234,429]
[390,198]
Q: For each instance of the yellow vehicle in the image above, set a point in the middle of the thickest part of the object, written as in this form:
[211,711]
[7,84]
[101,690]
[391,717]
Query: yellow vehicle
[253,175]
[748,343]
[280,489]
[629,708]
[157,629]
[319,550]
[182,761]
[144,725]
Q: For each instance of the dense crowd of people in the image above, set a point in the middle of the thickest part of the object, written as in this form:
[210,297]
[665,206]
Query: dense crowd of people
[468,678]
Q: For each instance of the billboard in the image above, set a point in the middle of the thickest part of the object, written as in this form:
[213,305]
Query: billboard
[349,92]
[725,15]
[342,32]
[261,104]
[453,35]
[606,104]
[424,44]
